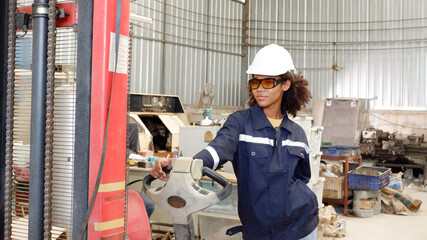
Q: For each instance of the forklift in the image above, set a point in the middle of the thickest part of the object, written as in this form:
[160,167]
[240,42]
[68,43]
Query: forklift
[64,112]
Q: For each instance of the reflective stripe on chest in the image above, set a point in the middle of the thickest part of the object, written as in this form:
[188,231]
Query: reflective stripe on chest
[251,139]
[268,141]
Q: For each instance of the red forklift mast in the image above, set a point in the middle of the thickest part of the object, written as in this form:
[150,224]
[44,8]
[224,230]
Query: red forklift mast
[101,91]
[107,81]
[108,215]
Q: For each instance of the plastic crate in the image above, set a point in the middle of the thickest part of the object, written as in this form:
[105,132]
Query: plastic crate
[340,151]
[366,182]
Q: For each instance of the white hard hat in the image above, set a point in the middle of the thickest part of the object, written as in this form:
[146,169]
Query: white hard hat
[271,60]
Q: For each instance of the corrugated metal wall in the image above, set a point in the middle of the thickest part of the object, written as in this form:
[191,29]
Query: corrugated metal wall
[379,47]
[190,43]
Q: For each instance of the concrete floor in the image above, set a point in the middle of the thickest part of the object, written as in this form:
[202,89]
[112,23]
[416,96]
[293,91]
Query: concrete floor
[390,227]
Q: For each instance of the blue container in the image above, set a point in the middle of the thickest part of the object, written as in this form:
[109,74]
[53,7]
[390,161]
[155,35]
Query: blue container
[368,182]
[340,151]
[207,113]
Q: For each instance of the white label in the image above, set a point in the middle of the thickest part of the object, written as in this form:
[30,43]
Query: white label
[122,60]
[328,103]
[353,104]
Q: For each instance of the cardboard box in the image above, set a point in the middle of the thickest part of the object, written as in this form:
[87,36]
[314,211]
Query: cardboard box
[333,187]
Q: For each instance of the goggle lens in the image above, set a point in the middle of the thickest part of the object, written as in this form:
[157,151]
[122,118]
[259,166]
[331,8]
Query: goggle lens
[267,83]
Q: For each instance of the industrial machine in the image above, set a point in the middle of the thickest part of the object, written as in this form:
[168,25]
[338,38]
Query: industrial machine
[389,151]
[194,138]
[375,142]
[64,115]
[373,138]
[159,118]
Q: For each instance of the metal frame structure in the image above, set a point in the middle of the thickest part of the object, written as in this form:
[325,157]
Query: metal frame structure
[96,83]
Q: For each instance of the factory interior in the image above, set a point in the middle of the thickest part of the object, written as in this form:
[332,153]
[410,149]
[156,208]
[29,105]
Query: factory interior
[97,95]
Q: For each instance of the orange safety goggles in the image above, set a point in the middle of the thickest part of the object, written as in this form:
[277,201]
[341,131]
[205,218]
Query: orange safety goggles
[267,83]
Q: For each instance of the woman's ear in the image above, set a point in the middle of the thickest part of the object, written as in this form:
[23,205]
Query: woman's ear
[286,85]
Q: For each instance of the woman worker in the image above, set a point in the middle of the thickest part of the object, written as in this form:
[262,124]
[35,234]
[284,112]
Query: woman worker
[269,153]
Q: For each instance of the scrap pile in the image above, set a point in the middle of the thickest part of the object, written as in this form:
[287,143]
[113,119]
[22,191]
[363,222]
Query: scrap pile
[395,202]
[330,226]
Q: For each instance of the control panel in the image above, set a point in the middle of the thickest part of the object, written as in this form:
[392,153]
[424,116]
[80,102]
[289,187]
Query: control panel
[149,103]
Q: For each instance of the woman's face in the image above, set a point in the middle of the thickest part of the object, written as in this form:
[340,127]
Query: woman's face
[270,97]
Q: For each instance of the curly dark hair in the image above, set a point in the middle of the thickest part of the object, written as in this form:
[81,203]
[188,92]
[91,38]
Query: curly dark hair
[294,99]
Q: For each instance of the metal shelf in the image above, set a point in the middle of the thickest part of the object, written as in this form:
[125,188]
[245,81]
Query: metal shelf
[345,201]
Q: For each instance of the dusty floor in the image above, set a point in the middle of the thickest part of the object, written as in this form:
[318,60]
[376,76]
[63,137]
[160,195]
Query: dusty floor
[389,227]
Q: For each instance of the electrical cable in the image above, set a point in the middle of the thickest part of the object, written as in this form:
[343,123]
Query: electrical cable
[342,50]
[186,10]
[339,23]
[199,31]
[188,45]
[306,23]
[306,44]
[181,18]
[334,30]
[286,22]
[290,30]
[187,39]
[395,124]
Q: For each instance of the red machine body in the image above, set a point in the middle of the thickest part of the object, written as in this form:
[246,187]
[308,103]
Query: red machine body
[70,9]
[108,215]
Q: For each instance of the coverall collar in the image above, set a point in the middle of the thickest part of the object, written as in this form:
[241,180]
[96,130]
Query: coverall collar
[262,122]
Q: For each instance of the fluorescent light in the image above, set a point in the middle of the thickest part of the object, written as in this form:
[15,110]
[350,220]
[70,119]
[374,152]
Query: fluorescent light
[139,18]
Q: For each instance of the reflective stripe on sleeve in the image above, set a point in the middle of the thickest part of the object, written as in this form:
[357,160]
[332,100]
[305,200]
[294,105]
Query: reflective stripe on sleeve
[214,155]
[288,142]
[251,139]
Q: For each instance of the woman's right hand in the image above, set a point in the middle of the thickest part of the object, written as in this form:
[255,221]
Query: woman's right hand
[157,171]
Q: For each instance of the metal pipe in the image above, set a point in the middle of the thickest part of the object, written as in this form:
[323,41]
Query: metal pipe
[187,45]
[82,115]
[163,78]
[38,119]
[245,51]
[207,42]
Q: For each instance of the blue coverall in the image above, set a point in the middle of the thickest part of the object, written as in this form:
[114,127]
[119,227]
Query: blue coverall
[272,168]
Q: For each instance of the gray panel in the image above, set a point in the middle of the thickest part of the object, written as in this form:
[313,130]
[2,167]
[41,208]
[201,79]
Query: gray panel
[340,121]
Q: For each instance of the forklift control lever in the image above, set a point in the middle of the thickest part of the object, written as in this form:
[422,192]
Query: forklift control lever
[181,195]
[148,179]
